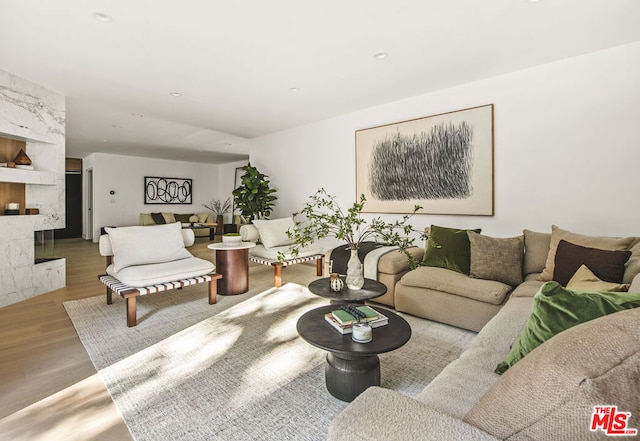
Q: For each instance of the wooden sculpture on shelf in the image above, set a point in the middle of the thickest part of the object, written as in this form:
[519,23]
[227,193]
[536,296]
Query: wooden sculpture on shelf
[22,158]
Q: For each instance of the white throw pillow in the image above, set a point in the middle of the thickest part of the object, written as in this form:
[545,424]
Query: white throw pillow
[149,244]
[273,232]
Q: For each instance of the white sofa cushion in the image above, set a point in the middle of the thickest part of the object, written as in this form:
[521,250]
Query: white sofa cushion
[142,245]
[272,253]
[158,273]
[273,232]
[249,233]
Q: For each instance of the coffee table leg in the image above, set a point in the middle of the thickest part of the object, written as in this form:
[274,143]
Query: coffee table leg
[347,376]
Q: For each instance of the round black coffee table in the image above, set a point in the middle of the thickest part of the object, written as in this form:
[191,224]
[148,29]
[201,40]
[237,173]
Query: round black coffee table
[352,367]
[371,289]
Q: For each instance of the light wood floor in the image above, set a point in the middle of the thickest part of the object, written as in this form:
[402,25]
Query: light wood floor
[49,389]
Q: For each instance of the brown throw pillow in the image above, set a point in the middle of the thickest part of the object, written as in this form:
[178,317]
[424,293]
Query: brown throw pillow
[551,393]
[606,265]
[494,258]
[158,218]
[601,242]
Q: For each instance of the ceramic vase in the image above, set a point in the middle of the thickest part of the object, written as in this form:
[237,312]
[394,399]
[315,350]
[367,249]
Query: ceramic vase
[355,276]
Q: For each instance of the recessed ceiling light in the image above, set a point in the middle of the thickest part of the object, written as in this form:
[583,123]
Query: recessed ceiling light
[102,17]
[294,89]
[380,55]
[138,115]
[176,94]
[532,1]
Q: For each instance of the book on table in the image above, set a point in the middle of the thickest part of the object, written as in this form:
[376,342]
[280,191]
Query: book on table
[345,318]
[381,320]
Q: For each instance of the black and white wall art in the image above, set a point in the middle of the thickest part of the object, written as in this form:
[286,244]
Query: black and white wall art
[167,190]
[442,162]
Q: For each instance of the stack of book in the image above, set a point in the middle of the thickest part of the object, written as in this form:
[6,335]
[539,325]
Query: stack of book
[342,321]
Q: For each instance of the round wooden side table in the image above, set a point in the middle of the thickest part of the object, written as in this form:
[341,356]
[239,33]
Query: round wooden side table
[232,262]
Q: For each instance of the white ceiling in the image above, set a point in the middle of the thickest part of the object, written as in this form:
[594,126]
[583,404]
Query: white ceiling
[234,62]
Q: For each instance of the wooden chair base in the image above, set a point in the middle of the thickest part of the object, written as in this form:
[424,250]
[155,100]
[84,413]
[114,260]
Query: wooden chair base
[278,265]
[130,293]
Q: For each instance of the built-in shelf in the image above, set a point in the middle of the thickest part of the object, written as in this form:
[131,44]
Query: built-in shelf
[20,176]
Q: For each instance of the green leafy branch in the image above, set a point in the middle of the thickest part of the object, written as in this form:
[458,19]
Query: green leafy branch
[324,217]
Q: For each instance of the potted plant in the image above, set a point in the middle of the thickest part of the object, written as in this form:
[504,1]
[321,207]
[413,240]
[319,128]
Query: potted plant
[254,197]
[219,209]
[322,217]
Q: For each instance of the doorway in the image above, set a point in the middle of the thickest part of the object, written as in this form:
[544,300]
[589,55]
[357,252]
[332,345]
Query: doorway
[73,206]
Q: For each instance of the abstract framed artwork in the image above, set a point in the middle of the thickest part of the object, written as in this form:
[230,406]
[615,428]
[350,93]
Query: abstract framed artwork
[443,163]
[167,190]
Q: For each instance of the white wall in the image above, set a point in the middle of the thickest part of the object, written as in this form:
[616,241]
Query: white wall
[566,152]
[125,176]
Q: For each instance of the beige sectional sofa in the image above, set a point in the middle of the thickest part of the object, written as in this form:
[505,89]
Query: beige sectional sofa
[548,394]
[184,218]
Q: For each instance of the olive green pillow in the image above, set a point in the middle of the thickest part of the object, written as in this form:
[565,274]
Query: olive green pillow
[556,309]
[448,248]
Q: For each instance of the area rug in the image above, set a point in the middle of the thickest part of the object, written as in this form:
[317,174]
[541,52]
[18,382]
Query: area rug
[240,372]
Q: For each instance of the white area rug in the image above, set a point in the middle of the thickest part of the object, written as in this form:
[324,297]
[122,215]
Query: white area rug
[236,370]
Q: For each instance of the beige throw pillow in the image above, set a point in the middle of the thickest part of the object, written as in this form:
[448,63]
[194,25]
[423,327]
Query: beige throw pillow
[144,245]
[551,393]
[585,279]
[601,242]
[495,258]
[273,232]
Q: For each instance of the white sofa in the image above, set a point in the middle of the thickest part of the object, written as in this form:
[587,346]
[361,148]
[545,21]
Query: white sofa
[548,394]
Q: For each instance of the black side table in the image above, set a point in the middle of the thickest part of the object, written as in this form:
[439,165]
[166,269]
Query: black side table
[371,289]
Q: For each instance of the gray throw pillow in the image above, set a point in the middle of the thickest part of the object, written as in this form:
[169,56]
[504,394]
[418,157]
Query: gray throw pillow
[494,258]
[536,250]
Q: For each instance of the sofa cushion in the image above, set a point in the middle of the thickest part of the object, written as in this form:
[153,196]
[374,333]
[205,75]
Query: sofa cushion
[184,218]
[495,258]
[607,265]
[273,232]
[632,268]
[158,218]
[453,282]
[602,242]
[169,218]
[536,250]
[204,218]
[585,279]
[551,394]
[158,273]
[395,261]
[249,233]
[448,248]
[272,253]
[143,245]
[557,309]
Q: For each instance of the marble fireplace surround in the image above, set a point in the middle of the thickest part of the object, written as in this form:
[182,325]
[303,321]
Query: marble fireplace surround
[35,115]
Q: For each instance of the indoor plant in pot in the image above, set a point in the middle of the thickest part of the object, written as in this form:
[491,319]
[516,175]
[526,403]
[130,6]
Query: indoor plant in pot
[254,197]
[219,210]
[322,217]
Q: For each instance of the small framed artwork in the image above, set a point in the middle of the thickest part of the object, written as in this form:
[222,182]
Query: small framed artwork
[167,190]
[443,163]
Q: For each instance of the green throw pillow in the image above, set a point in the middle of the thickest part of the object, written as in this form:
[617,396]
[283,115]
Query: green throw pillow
[448,248]
[556,309]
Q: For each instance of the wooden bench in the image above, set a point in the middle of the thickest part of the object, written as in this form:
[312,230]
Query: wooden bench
[131,293]
[279,264]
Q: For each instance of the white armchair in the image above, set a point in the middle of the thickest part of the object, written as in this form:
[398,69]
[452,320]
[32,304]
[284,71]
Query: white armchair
[271,239]
[143,260]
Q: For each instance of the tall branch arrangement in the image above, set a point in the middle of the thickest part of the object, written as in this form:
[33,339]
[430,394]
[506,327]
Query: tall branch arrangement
[323,217]
[219,208]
